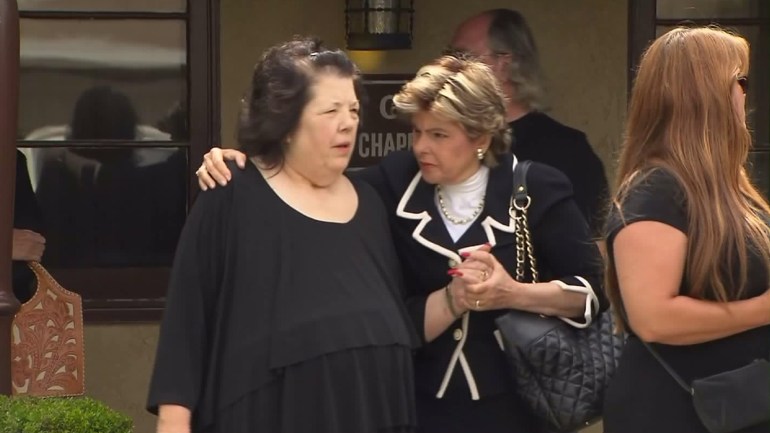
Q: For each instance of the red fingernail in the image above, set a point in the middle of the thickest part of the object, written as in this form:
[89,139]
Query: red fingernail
[452,271]
[465,255]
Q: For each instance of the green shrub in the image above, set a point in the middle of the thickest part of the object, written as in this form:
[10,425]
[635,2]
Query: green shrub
[60,415]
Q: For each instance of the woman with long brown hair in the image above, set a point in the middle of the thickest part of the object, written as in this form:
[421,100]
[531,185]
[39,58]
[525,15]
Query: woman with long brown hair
[688,237]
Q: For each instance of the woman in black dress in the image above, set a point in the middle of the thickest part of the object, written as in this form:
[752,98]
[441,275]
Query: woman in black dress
[284,312]
[688,239]
[448,202]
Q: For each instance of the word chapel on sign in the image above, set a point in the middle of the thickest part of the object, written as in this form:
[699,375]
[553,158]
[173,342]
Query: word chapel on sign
[379,144]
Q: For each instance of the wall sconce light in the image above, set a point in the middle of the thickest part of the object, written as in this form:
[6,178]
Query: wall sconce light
[379,24]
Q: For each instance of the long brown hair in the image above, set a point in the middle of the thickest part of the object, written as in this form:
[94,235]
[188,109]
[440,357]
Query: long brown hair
[682,118]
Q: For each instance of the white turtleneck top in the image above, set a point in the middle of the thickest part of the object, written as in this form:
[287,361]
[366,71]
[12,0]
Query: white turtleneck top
[462,200]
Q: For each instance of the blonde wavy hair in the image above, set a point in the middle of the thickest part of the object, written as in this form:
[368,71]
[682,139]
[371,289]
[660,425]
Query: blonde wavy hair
[682,118]
[462,91]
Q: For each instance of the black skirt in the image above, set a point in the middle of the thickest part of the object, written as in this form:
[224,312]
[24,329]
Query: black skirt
[363,390]
[500,413]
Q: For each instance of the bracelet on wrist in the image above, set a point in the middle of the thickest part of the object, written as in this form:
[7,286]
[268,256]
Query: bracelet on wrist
[451,303]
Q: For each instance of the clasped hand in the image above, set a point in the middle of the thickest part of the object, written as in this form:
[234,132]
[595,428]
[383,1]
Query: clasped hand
[480,282]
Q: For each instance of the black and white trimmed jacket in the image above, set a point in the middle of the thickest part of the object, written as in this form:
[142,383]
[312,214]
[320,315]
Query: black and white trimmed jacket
[466,361]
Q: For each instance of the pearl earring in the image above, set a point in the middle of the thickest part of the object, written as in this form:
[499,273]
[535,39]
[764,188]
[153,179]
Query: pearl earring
[480,153]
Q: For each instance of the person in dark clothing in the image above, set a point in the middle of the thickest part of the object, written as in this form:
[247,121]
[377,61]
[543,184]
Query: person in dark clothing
[28,243]
[538,137]
[688,237]
[502,39]
[88,191]
[448,201]
[285,311]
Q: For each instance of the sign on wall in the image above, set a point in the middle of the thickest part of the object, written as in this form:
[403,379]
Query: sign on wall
[382,131]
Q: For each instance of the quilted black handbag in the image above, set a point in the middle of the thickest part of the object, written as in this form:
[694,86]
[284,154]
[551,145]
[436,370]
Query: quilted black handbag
[560,371]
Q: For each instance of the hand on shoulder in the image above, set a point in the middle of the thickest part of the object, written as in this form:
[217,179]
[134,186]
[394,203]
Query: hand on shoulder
[214,170]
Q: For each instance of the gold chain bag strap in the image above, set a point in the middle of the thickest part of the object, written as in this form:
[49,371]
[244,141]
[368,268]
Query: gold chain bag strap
[47,353]
[559,372]
[520,201]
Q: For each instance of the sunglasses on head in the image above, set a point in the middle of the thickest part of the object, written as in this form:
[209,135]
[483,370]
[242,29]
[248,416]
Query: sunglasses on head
[743,81]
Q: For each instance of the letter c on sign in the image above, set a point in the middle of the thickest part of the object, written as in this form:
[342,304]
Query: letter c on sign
[387,110]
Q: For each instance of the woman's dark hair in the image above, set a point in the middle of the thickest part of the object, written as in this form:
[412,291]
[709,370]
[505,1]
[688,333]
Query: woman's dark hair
[280,89]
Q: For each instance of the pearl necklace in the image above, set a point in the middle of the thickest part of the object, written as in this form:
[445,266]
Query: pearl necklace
[453,219]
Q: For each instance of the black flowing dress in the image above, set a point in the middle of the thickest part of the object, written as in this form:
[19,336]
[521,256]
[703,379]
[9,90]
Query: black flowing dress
[277,322]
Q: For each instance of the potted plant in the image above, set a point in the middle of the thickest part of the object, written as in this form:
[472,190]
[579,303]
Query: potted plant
[60,415]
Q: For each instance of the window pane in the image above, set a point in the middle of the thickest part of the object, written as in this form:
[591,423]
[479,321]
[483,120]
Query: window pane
[758,102]
[759,164]
[700,9]
[104,5]
[109,206]
[103,79]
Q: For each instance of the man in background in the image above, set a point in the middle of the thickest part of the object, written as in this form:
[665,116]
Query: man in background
[502,39]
